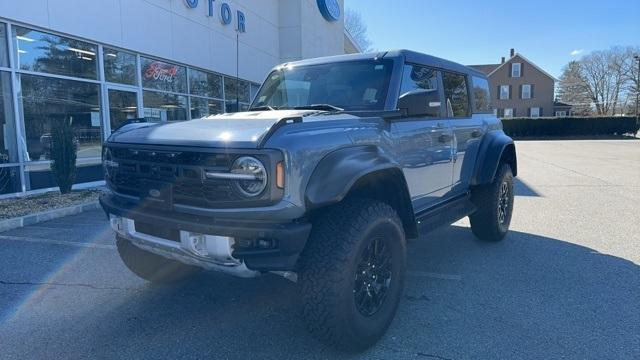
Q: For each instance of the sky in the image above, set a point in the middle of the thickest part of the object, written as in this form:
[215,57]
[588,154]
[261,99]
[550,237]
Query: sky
[548,33]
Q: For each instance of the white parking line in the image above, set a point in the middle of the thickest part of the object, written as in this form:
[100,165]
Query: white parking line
[431,275]
[58,242]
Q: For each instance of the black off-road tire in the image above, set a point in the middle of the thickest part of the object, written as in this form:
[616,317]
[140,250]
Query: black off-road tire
[487,223]
[341,238]
[152,267]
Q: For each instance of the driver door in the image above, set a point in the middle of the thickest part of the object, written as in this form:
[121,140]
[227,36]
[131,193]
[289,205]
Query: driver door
[424,143]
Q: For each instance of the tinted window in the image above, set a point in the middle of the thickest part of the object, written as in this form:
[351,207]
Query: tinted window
[164,107]
[234,88]
[456,95]
[419,77]
[481,95]
[205,84]
[163,76]
[354,85]
[47,102]
[4,53]
[42,52]
[120,67]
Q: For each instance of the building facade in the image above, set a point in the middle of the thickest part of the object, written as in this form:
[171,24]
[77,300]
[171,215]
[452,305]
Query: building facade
[520,88]
[101,63]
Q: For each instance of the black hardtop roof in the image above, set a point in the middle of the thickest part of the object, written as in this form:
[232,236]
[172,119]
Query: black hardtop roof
[407,55]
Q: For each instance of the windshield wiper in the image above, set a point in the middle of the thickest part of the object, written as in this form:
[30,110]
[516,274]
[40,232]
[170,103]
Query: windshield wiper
[327,107]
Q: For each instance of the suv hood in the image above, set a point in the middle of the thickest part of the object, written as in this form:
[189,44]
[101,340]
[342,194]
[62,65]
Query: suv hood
[237,130]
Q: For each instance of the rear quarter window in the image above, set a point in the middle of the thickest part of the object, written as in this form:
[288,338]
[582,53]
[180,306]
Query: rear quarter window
[481,95]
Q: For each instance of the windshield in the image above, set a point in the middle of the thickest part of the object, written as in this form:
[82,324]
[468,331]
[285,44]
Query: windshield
[355,85]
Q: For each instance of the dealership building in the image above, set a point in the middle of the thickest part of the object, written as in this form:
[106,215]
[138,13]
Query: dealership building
[101,63]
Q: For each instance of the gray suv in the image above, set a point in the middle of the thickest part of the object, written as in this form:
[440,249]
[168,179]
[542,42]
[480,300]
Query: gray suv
[337,165]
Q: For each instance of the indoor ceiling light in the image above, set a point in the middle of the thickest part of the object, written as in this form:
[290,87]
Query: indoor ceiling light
[81,51]
[24,38]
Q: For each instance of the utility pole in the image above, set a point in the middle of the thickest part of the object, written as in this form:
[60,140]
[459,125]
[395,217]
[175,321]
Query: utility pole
[637,57]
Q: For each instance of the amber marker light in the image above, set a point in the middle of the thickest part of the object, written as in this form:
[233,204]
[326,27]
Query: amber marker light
[280,175]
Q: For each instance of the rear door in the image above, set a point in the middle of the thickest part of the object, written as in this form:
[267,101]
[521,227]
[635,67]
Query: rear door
[467,128]
[423,144]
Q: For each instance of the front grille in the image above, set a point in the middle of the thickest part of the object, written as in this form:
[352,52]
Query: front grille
[184,171]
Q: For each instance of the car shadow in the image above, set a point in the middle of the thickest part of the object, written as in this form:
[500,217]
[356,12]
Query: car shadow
[521,188]
[529,296]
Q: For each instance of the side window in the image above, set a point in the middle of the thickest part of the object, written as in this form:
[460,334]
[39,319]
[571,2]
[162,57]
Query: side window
[456,94]
[416,77]
[481,97]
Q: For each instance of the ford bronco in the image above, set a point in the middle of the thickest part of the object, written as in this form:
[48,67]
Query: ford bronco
[339,162]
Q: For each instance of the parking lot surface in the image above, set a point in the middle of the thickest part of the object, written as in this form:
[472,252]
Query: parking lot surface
[565,283]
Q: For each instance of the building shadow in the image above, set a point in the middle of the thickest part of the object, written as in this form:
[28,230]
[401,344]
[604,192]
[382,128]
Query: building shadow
[529,294]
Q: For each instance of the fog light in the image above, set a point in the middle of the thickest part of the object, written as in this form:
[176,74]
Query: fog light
[265,243]
[116,223]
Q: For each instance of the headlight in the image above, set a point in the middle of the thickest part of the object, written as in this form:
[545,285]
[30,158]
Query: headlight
[256,179]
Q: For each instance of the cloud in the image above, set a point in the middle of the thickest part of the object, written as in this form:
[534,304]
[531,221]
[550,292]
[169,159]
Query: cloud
[576,52]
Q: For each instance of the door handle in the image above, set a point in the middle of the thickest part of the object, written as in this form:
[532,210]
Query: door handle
[444,138]
[476,133]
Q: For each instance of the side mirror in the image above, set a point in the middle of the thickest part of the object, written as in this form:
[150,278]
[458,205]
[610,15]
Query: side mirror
[420,102]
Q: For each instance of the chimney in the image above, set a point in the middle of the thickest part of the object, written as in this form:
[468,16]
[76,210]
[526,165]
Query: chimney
[502,60]
[513,52]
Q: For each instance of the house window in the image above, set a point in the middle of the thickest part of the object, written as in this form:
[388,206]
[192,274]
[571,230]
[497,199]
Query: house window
[508,113]
[526,91]
[535,112]
[504,92]
[516,70]
[561,113]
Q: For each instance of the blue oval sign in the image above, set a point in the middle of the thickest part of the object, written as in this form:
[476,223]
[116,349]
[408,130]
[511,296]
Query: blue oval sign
[330,9]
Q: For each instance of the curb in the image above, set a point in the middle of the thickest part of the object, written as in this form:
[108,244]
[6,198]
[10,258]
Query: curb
[47,215]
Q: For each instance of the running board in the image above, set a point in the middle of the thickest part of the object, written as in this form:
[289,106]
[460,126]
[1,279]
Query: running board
[445,214]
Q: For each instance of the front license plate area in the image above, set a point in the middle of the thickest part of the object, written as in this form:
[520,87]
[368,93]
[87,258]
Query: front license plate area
[157,194]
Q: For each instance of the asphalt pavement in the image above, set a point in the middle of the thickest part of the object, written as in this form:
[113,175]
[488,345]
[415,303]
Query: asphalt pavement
[565,283]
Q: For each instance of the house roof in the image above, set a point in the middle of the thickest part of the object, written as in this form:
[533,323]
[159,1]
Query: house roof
[561,104]
[485,68]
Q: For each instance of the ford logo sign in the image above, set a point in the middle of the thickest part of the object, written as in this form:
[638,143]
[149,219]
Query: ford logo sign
[155,193]
[330,9]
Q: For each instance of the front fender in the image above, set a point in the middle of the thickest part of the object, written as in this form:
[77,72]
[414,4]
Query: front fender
[338,171]
[494,145]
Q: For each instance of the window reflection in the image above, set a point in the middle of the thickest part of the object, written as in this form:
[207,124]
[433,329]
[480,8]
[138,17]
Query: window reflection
[43,52]
[164,107]
[456,95]
[120,67]
[234,88]
[205,84]
[163,76]
[46,102]
[481,94]
[123,106]
[8,147]
[204,107]
[4,52]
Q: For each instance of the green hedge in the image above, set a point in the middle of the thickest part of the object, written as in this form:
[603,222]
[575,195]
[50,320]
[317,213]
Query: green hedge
[570,126]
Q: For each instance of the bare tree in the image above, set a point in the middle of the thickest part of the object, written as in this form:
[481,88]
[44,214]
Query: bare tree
[573,89]
[357,28]
[605,74]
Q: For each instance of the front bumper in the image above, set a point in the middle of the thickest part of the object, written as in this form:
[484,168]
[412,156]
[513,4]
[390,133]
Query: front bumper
[286,240]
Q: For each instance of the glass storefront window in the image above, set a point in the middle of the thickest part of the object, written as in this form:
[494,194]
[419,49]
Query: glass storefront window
[164,107]
[123,106]
[48,53]
[8,146]
[10,180]
[120,67]
[4,52]
[254,90]
[164,76]
[40,176]
[236,88]
[46,102]
[205,84]
[233,106]
[204,107]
